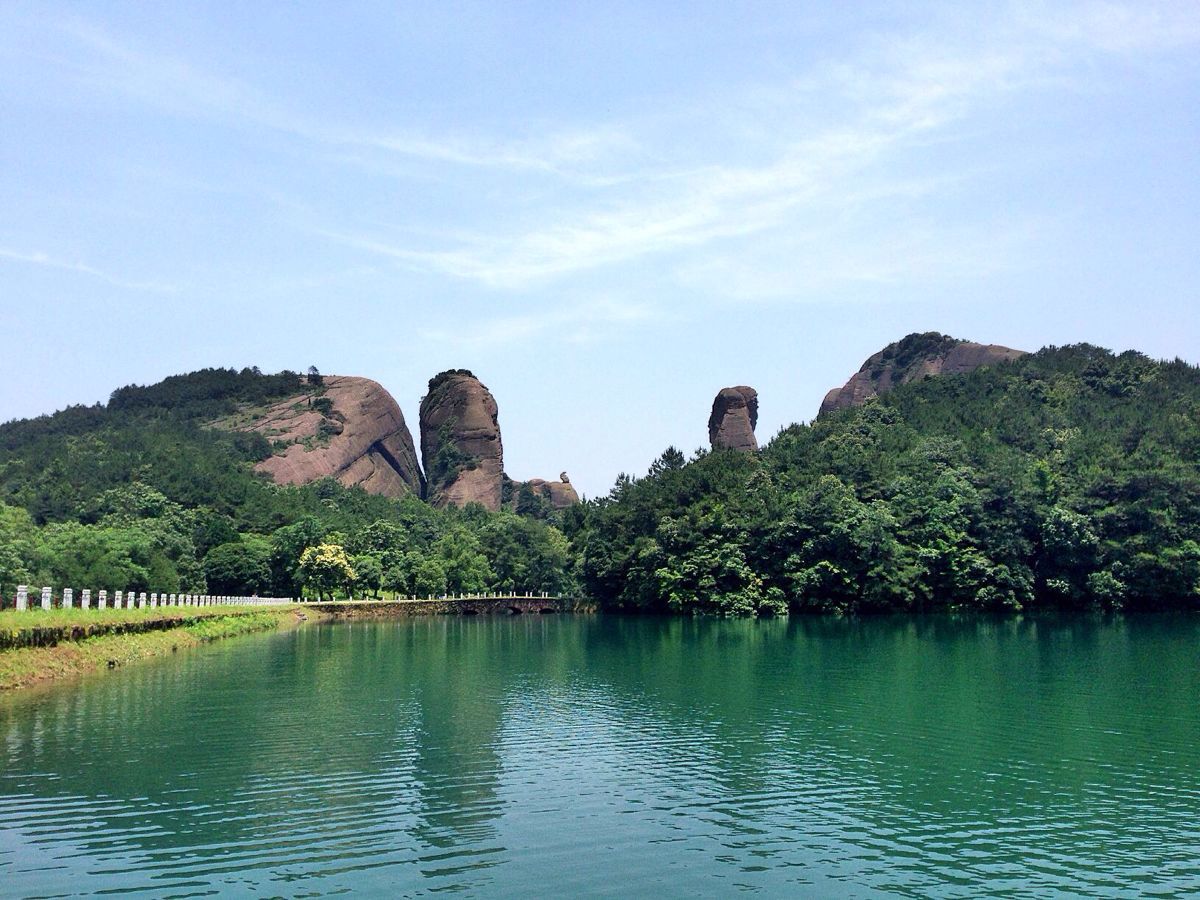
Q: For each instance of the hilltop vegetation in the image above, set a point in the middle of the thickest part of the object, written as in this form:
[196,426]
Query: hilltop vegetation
[140,494]
[1065,478]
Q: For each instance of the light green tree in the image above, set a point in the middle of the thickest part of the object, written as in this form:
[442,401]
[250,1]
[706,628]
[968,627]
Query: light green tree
[326,568]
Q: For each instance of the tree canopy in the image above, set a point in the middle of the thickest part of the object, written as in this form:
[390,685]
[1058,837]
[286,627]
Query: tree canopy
[1067,478]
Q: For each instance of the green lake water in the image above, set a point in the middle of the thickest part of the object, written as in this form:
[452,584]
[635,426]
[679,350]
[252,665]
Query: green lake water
[585,756]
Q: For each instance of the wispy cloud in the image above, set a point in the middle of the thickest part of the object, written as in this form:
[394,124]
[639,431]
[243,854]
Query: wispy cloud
[1117,27]
[777,165]
[44,260]
[895,97]
[181,88]
[710,203]
[579,322]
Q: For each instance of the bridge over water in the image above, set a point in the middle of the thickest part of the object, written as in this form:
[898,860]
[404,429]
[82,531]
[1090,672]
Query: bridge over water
[467,605]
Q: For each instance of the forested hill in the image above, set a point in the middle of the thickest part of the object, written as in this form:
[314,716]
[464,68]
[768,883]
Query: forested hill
[143,494]
[57,466]
[1069,477]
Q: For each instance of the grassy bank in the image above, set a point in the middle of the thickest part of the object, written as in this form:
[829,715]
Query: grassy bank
[46,628]
[130,635]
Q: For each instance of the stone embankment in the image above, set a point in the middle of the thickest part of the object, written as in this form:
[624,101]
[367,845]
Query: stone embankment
[464,605]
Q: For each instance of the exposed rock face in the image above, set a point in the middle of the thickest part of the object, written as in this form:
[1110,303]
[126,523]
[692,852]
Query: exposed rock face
[354,432]
[911,359]
[460,442]
[559,494]
[734,417]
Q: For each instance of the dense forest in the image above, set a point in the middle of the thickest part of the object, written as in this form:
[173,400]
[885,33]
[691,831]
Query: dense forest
[142,494]
[1068,478]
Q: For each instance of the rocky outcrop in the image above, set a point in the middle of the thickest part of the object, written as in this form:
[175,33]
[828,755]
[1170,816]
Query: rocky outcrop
[351,430]
[733,419]
[911,359]
[559,494]
[460,442]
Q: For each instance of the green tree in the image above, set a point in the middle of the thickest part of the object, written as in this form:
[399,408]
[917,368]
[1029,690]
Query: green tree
[369,571]
[461,557]
[239,568]
[287,547]
[326,568]
[428,577]
[18,537]
[105,557]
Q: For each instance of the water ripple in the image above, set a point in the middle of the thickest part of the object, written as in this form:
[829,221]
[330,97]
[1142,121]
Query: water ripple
[609,757]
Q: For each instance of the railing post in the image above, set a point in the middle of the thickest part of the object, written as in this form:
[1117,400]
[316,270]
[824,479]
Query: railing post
[22,596]
[47,598]
[68,598]
[102,600]
[116,599]
[85,599]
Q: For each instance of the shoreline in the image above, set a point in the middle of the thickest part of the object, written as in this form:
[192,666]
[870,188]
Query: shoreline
[66,651]
[39,648]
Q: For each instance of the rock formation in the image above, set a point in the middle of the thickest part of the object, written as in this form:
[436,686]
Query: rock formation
[559,494]
[734,417]
[460,442]
[353,431]
[913,358]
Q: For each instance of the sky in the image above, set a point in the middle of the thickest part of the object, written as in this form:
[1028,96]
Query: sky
[607,211]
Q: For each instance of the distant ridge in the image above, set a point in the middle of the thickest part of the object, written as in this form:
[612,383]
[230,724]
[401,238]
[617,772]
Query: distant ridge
[912,358]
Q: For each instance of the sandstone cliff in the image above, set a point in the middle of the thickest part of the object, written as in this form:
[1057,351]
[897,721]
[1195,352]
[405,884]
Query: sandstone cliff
[911,359]
[460,442]
[351,430]
[733,419]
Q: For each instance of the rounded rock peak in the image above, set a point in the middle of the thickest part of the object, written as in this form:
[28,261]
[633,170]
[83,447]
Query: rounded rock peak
[460,441]
[734,418]
[912,358]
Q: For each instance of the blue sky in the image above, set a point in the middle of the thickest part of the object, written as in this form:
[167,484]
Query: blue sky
[608,211]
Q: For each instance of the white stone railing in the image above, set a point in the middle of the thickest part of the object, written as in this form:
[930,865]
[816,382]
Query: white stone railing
[134,600]
[413,598]
[67,599]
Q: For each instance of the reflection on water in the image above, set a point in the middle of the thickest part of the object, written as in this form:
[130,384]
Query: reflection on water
[604,756]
